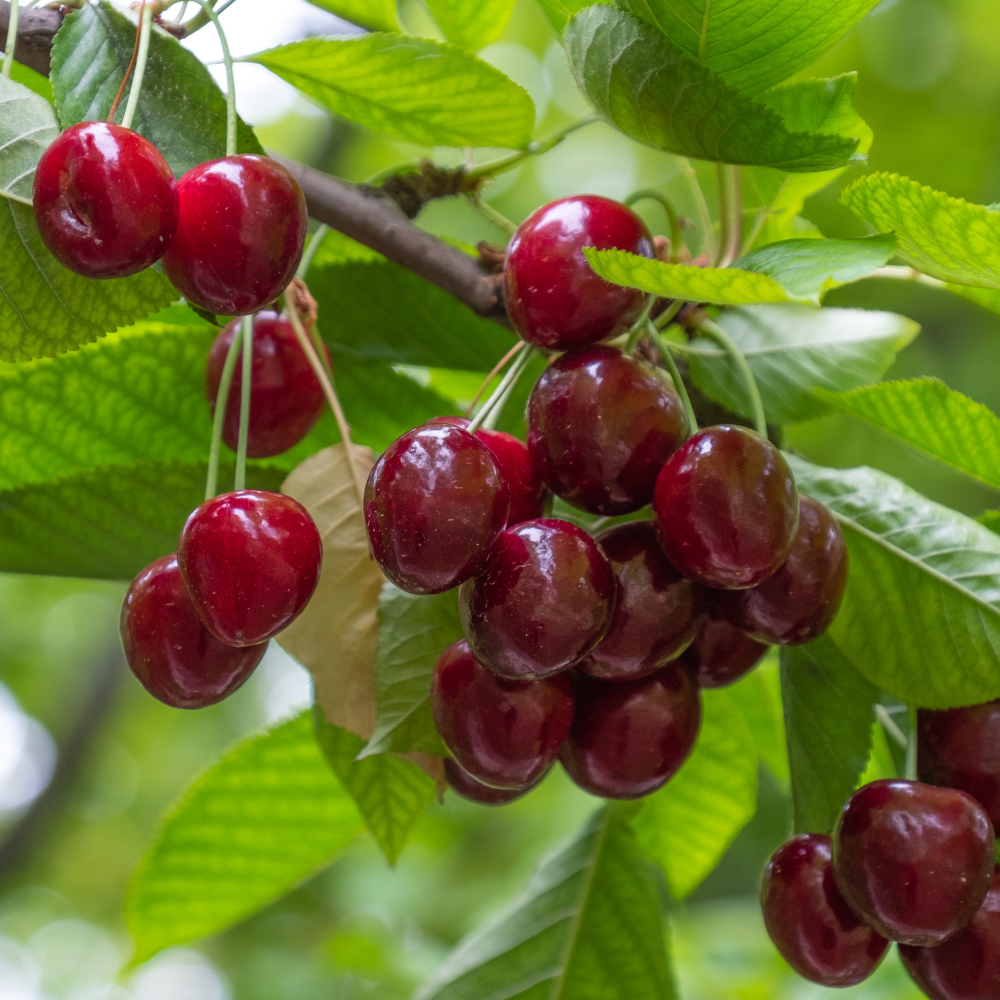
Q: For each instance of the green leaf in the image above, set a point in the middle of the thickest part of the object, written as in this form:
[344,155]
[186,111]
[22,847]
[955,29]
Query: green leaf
[752,44]
[689,823]
[472,23]
[258,822]
[32,80]
[939,421]
[829,708]
[656,95]
[413,89]
[990,519]
[588,926]
[560,11]
[28,124]
[921,612]
[758,697]
[945,237]
[377,15]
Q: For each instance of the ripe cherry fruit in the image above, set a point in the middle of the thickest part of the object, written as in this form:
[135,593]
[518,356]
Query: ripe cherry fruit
[721,654]
[174,656]
[465,785]
[250,561]
[601,425]
[556,301]
[105,200]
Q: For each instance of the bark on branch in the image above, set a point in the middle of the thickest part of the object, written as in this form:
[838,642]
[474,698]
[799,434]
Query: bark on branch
[35,31]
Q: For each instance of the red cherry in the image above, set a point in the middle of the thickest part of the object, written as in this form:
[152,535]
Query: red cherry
[555,299]
[721,654]
[914,861]
[250,561]
[542,603]
[286,399]
[240,234]
[435,503]
[475,791]
[629,738]
[503,733]
[967,966]
[798,602]
[174,656]
[656,615]
[726,508]
[809,920]
[600,427]
[105,200]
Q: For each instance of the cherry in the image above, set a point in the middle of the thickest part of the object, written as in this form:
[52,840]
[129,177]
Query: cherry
[503,733]
[286,398]
[475,791]
[657,613]
[544,600]
[174,656]
[435,503]
[726,508]
[913,860]
[721,654]
[809,920]
[799,601]
[967,966]
[555,299]
[240,234]
[600,427]
[629,738]
[105,200]
[960,748]
[250,561]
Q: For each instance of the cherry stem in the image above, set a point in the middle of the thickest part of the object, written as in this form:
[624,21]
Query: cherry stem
[240,479]
[532,149]
[221,404]
[207,11]
[667,316]
[501,221]
[734,182]
[714,332]
[889,726]
[676,236]
[668,360]
[911,745]
[142,38]
[639,325]
[501,393]
[8,52]
[310,251]
[492,375]
[704,215]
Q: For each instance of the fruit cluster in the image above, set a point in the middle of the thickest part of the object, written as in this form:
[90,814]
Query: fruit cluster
[594,649]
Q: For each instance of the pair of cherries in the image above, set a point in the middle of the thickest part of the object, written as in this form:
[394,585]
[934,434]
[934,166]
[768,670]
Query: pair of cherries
[230,232]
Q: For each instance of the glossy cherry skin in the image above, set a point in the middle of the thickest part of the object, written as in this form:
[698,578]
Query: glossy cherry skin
[600,427]
[503,733]
[285,396]
[174,656]
[809,920]
[465,785]
[435,503]
[967,966]
[798,602]
[657,613]
[543,602]
[240,234]
[721,655]
[105,200]
[914,861]
[250,561]
[556,301]
[629,738]
[960,748]
[726,508]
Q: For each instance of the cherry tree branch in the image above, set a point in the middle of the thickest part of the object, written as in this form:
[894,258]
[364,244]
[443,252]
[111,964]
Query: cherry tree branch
[35,31]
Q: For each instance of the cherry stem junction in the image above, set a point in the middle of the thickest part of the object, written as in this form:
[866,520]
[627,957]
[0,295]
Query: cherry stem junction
[139,58]
[663,346]
[8,52]
[221,404]
[676,237]
[500,395]
[240,479]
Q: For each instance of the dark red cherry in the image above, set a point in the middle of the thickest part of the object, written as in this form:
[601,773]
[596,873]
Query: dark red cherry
[629,738]
[726,508]
[505,734]
[174,656]
[285,400]
[600,427]
[721,654]
[967,966]
[960,748]
[543,602]
[657,613]
[465,785]
[809,920]
[435,503]
[799,601]
[250,561]
[240,234]
[555,299]
[105,200]
[912,860]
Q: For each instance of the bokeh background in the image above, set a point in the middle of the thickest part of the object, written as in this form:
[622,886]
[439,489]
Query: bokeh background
[95,762]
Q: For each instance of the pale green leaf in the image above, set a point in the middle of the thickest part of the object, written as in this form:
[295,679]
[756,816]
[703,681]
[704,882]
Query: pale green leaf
[988,298]
[472,23]
[378,15]
[758,697]
[990,519]
[28,124]
[560,11]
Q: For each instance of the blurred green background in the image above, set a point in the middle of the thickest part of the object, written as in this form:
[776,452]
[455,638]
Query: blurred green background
[929,87]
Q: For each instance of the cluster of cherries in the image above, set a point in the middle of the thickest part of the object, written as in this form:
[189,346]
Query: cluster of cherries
[594,649]
[909,861]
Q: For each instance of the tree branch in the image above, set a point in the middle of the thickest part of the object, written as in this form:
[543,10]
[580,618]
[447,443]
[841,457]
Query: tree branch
[35,31]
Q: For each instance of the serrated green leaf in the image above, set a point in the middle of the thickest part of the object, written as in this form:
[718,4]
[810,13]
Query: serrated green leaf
[472,23]
[689,823]
[758,697]
[655,94]
[413,89]
[829,708]
[921,612]
[262,819]
[589,926]
[945,237]
[28,124]
[560,11]
[377,15]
